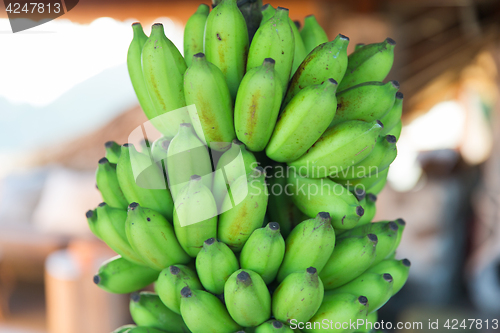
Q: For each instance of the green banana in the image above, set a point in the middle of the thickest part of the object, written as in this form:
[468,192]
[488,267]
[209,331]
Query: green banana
[257,105]
[194,33]
[214,264]
[204,313]
[401,227]
[120,276]
[300,52]
[107,183]
[298,297]
[230,166]
[273,326]
[376,287]
[318,236]
[328,60]
[153,238]
[264,251]
[143,182]
[187,156]
[303,121]
[274,39]
[226,42]
[110,226]
[164,67]
[336,310]
[338,148]
[396,130]
[358,46]
[247,299]
[367,101]
[281,207]
[391,118]
[124,329]
[314,195]
[369,207]
[369,63]
[382,155]
[134,65]
[170,283]
[195,216]
[377,187]
[250,196]
[212,114]
[369,321]
[398,269]
[159,149]
[113,151]
[312,33]
[351,257]
[147,310]
[386,233]
[366,183]
[92,222]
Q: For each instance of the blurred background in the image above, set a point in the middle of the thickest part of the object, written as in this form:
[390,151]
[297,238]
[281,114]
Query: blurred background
[64,91]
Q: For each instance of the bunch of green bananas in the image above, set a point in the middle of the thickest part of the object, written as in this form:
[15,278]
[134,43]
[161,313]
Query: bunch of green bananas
[275,144]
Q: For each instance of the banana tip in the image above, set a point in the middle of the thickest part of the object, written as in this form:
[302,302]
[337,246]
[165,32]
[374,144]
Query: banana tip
[373,238]
[406,262]
[103,160]
[269,61]
[128,145]
[343,37]
[387,277]
[109,144]
[401,222]
[399,95]
[133,205]
[89,214]
[390,41]
[277,324]
[136,23]
[210,241]
[243,276]
[359,193]
[186,292]
[360,211]
[395,84]
[135,297]
[195,178]
[282,8]
[391,138]
[273,225]
[312,270]
[102,204]
[297,24]
[372,197]
[333,81]
[363,300]
[324,215]
[380,124]
[393,226]
[97,279]
[174,270]
[199,55]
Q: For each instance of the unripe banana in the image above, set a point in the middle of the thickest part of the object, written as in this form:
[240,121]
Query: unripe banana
[92,222]
[164,67]
[187,156]
[143,182]
[338,308]
[367,101]
[204,313]
[401,227]
[113,151]
[339,147]
[391,118]
[366,183]
[382,155]
[214,264]
[274,39]
[226,42]
[250,197]
[398,269]
[107,183]
[147,310]
[369,63]
[124,329]
[370,208]
[281,207]
[195,216]
[351,257]
[159,150]
[273,326]
[257,105]
[318,236]
[247,299]
[358,46]
[396,130]
[312,33]
[377,187]
[328,60]
[376,287]
[170,283]
[120,276]
[386,233]
[153,238]
[300,52]
[314,195]
[298,297]
[303,121]
[134,65]
[232,164]
[110,226]
[369,321]
[264,251]
[194,33]
[212,116]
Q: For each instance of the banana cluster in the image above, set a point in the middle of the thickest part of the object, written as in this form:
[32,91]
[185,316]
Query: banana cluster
[275,143]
